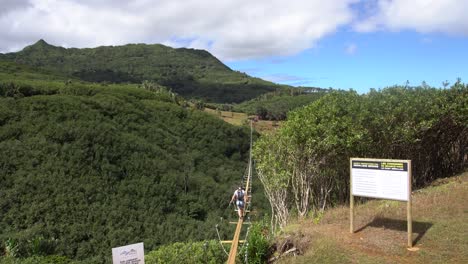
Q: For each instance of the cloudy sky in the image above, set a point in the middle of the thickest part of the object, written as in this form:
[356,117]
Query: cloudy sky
[334,43]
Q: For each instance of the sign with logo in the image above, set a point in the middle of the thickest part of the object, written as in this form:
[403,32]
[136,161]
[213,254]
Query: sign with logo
[386,179]
[130,254]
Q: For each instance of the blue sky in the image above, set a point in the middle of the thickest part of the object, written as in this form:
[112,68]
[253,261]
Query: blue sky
[361,61]
[357,44]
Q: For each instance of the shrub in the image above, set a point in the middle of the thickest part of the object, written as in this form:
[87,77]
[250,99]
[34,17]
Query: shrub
[190,252]
[257,245]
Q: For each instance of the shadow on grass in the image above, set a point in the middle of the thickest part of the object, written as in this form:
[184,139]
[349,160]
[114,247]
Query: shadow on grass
[399,225]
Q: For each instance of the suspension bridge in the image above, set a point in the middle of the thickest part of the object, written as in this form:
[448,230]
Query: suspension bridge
[247,183]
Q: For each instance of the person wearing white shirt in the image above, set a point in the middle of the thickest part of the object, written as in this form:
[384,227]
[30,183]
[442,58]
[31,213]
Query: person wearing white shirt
[239,197]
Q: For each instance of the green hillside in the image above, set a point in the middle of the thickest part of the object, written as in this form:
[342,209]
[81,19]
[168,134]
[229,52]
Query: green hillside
[87,167]
[275,105]
[188,72]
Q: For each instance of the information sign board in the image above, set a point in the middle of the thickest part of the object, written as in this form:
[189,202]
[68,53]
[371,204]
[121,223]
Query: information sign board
[130,254]
[380,179]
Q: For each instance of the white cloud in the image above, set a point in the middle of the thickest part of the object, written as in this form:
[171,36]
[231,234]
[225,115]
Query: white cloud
[231,29]
[351,49]
[426,40]
[289,79]
[8,5]
[282,78]
[446,16]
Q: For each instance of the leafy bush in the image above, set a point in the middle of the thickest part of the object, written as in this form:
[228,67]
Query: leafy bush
[52,259]
[276,105]
[258,244]
[310,153]
[190,253]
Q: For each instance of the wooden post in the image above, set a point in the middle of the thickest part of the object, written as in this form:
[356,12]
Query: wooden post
[351,214]
[351,199]
[409,213]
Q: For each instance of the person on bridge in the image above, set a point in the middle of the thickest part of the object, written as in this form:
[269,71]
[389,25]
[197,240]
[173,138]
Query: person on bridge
[239,197]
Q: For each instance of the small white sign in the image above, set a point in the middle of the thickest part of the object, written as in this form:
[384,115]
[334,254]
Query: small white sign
[386,179]
[130,254]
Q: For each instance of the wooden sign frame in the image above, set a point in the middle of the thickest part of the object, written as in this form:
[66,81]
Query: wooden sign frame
[382,165]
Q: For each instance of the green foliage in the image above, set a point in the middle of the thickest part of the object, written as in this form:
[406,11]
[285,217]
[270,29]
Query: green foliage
[87,167]
[258,244]
[188,72]
[189,252]
[423,124]
[276,105]
[11,248]
[268,152]
[24,244]
[199,104]
[52,259]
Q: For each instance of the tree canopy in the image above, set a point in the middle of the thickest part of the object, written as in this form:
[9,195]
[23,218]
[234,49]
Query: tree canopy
[276,105]
[87,167]
[305,166]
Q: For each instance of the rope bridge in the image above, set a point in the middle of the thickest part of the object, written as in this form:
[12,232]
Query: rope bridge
[247,182]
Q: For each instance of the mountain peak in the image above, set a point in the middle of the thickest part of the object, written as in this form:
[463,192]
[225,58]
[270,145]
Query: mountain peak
[40,45]
[41,42]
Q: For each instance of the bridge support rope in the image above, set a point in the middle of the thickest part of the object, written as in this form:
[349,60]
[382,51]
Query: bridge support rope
[235,239]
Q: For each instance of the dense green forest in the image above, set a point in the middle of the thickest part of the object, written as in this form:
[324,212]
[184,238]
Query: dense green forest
[98,150]
[188,72]
[304,167]
[275,105]
[86,167]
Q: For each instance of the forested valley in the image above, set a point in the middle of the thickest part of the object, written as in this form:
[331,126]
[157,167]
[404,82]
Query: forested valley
[87,167]
[105,147]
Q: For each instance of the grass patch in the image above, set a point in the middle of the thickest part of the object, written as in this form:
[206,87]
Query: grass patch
[240,119]
[440,227]
[322,251]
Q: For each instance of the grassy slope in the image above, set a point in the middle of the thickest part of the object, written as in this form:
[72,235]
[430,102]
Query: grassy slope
[239,119]
[440,226]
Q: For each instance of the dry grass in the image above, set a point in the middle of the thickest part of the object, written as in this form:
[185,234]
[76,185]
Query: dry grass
[440,230]
[232,118]
[239,119]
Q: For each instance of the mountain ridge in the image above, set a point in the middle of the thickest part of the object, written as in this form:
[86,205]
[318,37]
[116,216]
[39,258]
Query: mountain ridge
[192,73]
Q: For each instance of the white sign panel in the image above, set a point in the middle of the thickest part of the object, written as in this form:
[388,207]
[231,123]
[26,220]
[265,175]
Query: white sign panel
[131,254]
[387,179]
